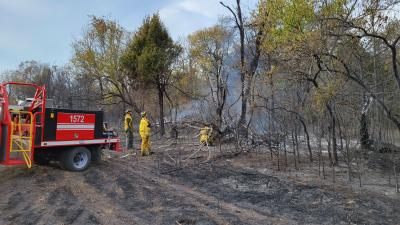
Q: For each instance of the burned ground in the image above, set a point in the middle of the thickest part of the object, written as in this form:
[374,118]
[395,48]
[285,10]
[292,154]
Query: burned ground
[148,190]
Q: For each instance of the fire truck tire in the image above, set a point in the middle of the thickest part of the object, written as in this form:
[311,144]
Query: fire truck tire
[75,159]
[97,155]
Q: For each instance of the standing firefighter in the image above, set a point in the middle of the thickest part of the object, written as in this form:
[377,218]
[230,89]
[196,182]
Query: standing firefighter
[128,127]
[205,135]
[144,130]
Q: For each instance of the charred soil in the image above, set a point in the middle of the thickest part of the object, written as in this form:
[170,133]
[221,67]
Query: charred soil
[148,190]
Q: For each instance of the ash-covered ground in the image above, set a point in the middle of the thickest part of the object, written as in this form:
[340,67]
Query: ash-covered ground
[175,186]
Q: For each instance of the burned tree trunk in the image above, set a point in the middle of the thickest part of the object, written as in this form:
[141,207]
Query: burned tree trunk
[307,137]
[294,149]
[333,133]
[161,110]
[247,70]
[329,145]
[364,134]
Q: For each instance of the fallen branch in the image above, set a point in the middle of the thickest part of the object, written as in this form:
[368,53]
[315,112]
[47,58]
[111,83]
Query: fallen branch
[164,146]
[124,156]
[190,156]
[172,159]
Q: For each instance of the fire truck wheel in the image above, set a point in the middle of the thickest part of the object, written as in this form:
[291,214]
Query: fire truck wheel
[76,159]
[97,155]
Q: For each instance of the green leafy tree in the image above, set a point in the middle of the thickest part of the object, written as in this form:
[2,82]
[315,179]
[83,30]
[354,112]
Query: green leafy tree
[293,36]
[96,62]
[335,44]
[149,57]
[210,49]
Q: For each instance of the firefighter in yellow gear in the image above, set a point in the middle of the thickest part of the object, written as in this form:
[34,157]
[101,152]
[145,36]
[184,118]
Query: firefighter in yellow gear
[205,135]
[144,131]
[128,127]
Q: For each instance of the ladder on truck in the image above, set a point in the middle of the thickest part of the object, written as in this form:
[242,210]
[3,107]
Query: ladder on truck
[21,138]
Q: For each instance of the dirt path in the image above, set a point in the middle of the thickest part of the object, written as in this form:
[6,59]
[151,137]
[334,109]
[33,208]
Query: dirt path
[137,191]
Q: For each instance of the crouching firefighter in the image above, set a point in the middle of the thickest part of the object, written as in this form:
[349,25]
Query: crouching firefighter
[144,131]
[205,135]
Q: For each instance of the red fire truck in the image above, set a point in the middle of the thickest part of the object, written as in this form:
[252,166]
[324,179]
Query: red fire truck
[31,132]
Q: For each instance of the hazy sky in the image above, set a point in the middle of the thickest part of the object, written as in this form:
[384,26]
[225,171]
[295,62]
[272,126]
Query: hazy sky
[43,30]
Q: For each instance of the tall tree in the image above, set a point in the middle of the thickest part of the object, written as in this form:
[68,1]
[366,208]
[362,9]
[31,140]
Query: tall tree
[149,57]
[210,49]
[96,62]
[250,53]
[332,45]
[293,37]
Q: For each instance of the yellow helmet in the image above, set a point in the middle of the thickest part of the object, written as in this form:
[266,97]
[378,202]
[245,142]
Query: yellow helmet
[143,114]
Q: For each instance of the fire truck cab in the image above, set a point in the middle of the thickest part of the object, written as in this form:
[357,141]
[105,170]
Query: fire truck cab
[31,133]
